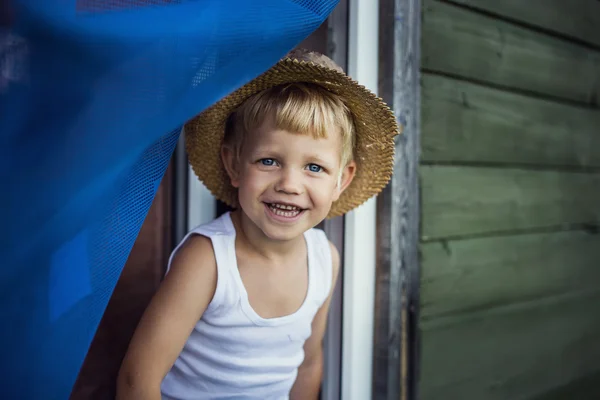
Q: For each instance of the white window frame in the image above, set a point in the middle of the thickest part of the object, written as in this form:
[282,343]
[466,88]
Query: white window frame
[201,205]
[360,224]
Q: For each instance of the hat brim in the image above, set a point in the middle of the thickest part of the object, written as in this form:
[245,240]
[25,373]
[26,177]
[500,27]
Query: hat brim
[375,124]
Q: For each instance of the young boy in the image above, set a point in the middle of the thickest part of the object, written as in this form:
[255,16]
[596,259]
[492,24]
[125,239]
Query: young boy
[242,311]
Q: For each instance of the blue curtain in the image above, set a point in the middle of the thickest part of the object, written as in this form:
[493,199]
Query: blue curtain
[93,94]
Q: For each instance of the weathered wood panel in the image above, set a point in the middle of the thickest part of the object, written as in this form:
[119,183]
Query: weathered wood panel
[465,122]
[475,46]
[396,353]
[468,275]
[586,388]
[459,201]
[578,19]
[510,353]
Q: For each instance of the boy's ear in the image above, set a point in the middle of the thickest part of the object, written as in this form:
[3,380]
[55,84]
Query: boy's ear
[348,174]
[230,162]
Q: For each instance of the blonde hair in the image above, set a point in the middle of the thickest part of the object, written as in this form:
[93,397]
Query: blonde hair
[303,108]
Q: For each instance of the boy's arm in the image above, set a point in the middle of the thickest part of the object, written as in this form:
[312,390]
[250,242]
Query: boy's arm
[168,321]
[308,381]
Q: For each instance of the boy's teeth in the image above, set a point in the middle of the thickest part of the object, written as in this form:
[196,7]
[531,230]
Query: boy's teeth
[284,207]
[284,210]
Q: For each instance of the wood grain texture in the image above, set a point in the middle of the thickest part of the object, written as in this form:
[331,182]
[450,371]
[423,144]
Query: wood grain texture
[585,388]
[474,274]
[388,287]
[463,43]
[578,19]
[459,201]
[396,357]
[509,291]
[513,352]
[465,122]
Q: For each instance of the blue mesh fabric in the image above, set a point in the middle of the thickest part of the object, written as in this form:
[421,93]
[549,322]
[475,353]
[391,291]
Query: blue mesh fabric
[93,94]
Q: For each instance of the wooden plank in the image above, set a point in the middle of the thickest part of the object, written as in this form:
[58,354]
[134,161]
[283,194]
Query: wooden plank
[586,388]
[511,353]
[458,201]
[466,275]
[474,46]
[395,362]
[466,122]
[578,19]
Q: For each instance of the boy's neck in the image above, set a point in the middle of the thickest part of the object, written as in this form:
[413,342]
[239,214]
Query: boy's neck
[255,240]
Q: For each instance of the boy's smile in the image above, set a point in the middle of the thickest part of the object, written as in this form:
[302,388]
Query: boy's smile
[286,181]
[284,212]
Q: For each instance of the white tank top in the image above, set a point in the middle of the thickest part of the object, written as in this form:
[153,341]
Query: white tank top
[233,353]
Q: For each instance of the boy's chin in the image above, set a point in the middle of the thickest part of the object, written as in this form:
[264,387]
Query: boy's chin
[284,232]
[278,233]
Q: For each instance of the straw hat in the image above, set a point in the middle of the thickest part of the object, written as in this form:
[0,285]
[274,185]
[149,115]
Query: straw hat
[375,126]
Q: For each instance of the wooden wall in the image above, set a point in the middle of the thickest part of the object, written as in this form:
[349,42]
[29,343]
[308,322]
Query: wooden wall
[510,189]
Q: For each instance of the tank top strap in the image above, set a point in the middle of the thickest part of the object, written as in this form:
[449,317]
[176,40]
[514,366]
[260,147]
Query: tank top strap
[221,233]
[320,253]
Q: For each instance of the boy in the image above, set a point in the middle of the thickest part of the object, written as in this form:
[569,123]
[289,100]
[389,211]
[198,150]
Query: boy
[242,311]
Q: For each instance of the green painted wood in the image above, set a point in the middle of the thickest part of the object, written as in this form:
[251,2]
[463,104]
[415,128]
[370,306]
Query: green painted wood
[461,42]
[511,352]
[582,23]
[465,122]
[586,388]
[473,274]
[459,201]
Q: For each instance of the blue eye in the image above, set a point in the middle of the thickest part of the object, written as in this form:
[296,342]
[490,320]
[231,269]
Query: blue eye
[267,161]
[315,168]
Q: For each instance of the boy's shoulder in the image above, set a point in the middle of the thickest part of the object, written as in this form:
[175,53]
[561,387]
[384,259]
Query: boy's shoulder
[193,266]
[196,251]
[197,246]
[330,258]
[335,258]
[328,244]
[221,225]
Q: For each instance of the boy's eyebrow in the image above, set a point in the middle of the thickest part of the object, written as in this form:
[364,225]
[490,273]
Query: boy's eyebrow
[317,159]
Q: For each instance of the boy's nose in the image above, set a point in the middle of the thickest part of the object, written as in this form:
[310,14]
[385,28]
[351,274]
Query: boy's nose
[289,182]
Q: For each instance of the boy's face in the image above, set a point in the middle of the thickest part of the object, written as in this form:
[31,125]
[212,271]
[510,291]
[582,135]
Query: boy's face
[287,182]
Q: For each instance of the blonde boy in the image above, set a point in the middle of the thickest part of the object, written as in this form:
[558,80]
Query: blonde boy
[242,311]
